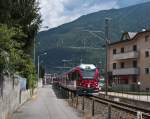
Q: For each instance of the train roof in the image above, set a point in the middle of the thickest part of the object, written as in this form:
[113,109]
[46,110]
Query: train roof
[82,66]
[87,66]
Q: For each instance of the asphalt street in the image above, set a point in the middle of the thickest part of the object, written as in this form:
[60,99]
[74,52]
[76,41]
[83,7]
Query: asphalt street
[46,105]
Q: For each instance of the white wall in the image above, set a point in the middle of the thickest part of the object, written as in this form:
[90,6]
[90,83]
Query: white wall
[10,100]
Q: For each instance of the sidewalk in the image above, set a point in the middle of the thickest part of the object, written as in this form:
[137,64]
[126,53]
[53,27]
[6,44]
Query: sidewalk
[144,98]
[46,106]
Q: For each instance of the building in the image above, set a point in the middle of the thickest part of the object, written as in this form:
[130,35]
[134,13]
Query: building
[47,79]
[129,61]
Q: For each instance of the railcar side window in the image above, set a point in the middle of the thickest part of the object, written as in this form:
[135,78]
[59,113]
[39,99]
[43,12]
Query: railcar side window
[77,76]
[74,76]
[69,76]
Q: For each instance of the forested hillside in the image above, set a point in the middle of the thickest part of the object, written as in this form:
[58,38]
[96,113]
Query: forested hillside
[133,18]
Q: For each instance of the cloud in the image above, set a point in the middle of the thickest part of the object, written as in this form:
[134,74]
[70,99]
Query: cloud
[57,12]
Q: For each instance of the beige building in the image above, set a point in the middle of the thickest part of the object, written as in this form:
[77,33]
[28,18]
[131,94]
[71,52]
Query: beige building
[129,61]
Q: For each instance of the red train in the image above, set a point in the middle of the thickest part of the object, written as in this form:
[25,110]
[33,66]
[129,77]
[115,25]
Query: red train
[85,78]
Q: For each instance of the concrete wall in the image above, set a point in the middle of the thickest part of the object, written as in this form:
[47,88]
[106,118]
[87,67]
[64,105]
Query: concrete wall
[11,98]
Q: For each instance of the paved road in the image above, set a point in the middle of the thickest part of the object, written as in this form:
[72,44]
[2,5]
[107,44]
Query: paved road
[46,106]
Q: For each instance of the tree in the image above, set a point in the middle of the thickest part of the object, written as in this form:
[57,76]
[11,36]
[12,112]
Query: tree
[10,49]
[21,21]
[23,14]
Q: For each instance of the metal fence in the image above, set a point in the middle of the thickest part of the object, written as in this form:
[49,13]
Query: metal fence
[1,84]
[138,96]
[125,87]
[104,108]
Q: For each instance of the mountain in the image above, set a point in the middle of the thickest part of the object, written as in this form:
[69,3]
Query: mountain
[125,3]
[73,36]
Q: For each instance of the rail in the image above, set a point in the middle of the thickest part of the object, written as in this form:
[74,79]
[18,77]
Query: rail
[139,112]
[122,106]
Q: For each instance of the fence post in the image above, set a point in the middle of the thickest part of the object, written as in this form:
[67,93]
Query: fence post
[20,97]
[77,102]
[147,95]
[139,115]
[93,107]
[72,98]
[83,103]
[1,84]
[68,94]
[62,93]
[109,111]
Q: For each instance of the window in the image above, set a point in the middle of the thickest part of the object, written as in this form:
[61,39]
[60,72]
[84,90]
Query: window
[146,37]
[114,65]
[88,74]
[122,64]
[146,53]
[114,51]
[147,71]
[134,48]
[134,79]
[122,50]
[134,63]
[77,76]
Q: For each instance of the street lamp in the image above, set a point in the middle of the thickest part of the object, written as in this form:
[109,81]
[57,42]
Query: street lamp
[139,83]
[45,53]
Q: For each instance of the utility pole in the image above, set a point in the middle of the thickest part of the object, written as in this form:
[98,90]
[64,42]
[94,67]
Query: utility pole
[45,53]
[37,39]
[81,60]
[34,50]
[107,50]
[84,43]
[62,43]
[38,68]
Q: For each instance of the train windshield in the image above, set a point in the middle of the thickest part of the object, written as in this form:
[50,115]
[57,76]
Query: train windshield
[88,74]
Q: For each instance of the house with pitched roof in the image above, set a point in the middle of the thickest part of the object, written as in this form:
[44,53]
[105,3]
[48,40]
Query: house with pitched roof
[129,62]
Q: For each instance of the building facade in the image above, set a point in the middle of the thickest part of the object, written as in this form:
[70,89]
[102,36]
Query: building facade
[129,61]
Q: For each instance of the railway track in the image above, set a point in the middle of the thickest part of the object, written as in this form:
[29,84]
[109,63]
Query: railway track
[122,106]
[135,110]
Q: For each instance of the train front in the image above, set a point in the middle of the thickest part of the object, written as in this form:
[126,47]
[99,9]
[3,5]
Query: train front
[89,82]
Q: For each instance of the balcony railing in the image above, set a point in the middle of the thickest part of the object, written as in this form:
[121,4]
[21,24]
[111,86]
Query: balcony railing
[126,71]
[126,55]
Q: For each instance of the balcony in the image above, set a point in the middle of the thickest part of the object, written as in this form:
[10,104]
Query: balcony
[126,55]
[126,71]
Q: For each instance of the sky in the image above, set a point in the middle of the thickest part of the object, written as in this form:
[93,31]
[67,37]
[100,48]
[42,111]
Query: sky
[58,12]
